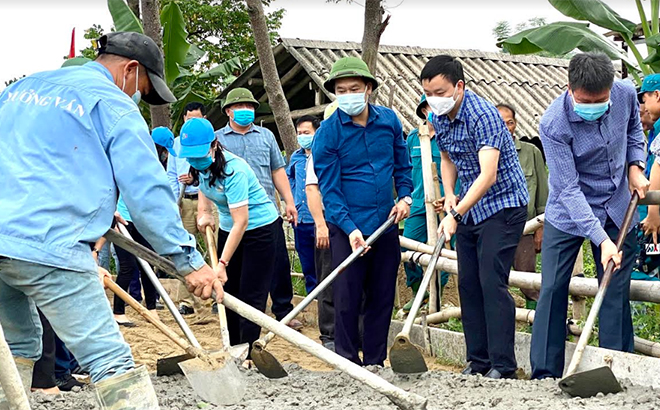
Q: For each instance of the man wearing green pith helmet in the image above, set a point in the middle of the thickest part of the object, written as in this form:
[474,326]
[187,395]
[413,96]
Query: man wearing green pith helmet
[358,152]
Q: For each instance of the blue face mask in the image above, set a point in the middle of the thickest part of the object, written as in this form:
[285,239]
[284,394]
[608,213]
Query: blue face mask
[243,116]
[591,112]
[137,96]
[430,116]
[305,141]
[352,104]
[201,164]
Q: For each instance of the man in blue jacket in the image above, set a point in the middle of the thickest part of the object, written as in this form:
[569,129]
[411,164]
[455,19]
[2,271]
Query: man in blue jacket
[70,140]
[358,152]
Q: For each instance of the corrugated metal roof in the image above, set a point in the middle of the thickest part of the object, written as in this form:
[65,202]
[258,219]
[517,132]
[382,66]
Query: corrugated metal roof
[527,83]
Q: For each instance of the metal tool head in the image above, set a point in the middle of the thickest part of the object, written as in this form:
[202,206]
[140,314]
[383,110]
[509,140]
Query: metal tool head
[267,364]
[220,383]
[591,382]
[405,357]
[169,366]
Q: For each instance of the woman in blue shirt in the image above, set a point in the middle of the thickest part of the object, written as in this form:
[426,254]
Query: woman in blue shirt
[247,221]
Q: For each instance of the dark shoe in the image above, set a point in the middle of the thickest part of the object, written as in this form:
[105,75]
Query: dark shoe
[214,308]
[295,324]
[127,324]
[469,371]
[184,309]
[67,383]
[495,374]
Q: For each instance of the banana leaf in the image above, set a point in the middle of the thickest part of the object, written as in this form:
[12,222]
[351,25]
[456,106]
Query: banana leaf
[123,18]
[597,12]
[561,38]
[175,45]
[226,69]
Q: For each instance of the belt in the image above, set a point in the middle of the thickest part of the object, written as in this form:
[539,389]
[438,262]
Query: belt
[191,196]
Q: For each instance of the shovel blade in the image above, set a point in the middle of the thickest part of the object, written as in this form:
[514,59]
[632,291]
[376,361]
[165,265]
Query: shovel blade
[591,382]
[267,364]
[169,366]
[221,384]
[405,357]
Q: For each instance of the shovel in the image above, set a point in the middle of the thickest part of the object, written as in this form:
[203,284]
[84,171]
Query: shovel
[204,373]
[600,380]
[405,357]
[222,314]
[403,399]
[267,364]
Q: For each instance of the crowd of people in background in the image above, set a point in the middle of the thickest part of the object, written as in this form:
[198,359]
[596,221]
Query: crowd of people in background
[336,191]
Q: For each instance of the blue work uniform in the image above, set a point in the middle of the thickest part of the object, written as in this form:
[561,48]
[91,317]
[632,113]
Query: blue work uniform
[259,149]
[305,238]
[250,269]
[70,138]
[356,166]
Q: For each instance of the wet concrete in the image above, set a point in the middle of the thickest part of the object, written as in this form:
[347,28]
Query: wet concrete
[334,391]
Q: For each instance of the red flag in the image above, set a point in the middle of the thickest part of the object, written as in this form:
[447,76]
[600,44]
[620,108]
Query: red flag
[72,50]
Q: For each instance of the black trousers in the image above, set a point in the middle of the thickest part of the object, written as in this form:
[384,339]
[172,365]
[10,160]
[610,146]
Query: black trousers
[323,264]
[560,250]
[43,375]
[281,289]
[128,266]
[250,273]
[372,277]
[485,254]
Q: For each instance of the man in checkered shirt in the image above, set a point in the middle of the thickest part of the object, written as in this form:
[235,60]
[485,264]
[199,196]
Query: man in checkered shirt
[594,146]
[489,218]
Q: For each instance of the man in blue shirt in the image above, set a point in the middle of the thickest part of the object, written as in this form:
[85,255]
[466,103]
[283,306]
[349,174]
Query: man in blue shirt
[488,221]
[305,237]
[594,146]
[358,152]
[71,138]
[258,147]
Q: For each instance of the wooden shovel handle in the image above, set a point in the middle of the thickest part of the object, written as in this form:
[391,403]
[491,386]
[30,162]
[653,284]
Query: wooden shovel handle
[123,295]
[222,314]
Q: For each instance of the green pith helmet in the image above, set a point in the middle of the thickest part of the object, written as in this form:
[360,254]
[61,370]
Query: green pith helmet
[422,104]
[75,61]
[349,67]
[240,95]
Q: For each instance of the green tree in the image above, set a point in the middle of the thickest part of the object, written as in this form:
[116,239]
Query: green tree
[564,37]
[92,34]
[502,30]
[221,29]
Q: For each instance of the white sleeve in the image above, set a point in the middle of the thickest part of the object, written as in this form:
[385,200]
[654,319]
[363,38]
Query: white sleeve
[311,178]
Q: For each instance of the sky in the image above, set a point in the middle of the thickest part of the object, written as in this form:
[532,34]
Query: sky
[37,33]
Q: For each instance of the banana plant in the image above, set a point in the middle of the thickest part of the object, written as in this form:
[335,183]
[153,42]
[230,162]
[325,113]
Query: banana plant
[564,37]
[180,57]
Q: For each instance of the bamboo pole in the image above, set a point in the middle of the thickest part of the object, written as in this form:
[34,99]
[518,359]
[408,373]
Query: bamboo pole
[10,378]
[429,199]
[644,291]
[643,346]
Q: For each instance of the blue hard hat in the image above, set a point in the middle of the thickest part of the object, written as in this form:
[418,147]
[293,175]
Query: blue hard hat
[196,138]
[164,137]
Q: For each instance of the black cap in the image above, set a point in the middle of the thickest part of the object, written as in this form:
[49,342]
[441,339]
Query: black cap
[143,49]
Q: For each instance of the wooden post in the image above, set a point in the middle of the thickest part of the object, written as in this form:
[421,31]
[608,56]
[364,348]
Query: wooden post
[579,302]
[10,379]
[429,198]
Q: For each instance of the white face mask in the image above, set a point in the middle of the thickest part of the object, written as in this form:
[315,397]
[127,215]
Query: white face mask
[442,105]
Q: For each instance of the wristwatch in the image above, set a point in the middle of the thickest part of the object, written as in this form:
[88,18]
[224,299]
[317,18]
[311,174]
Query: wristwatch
[638,163]
[457,217]
[407,200]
